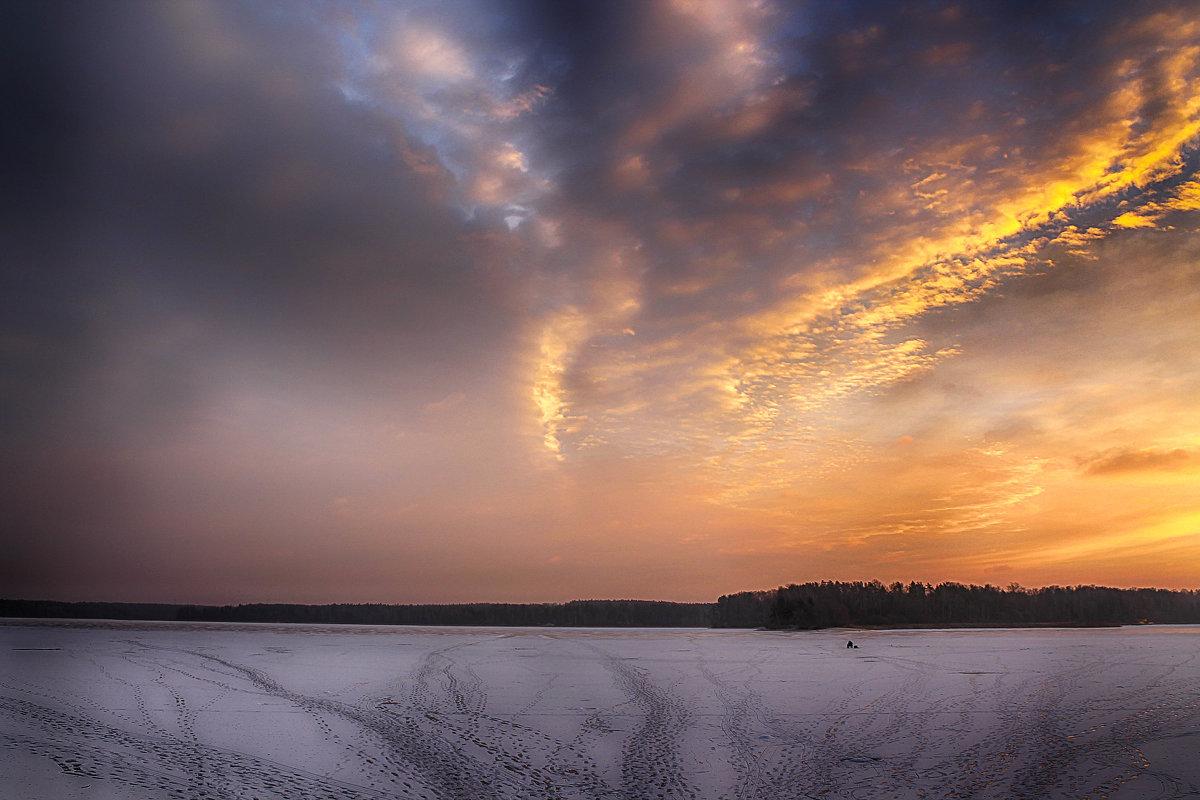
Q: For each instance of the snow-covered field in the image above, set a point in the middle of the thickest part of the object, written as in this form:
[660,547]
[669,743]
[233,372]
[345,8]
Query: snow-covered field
[165,710]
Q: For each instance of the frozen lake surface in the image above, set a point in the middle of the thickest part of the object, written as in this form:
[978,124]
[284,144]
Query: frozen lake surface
[165,710]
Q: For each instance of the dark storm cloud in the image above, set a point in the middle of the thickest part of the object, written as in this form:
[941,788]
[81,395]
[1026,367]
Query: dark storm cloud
[202,237]
[195,166]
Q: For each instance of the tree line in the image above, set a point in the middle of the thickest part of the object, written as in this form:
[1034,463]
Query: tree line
[580,613]
[806,606]
[828,604]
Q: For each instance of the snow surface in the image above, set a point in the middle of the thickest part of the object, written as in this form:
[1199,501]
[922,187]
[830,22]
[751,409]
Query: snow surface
[127,711]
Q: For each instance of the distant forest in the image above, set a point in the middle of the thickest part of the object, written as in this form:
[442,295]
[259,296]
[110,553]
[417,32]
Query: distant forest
[806,606]
[581,613]
[831,604]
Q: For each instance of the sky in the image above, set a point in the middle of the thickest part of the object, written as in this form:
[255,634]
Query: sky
[530,301]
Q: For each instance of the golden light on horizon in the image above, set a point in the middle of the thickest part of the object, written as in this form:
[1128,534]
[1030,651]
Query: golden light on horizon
[376,304]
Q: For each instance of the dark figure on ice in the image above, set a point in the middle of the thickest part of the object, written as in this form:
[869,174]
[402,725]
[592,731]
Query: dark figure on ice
[849,645]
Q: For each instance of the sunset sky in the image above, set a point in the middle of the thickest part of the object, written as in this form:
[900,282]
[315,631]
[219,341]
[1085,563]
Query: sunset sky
[520,301]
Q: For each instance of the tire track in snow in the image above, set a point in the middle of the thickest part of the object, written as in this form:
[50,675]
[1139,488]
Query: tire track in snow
[651,767]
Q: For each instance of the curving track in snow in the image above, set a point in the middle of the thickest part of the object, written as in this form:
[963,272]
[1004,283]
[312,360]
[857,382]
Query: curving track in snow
[129,710]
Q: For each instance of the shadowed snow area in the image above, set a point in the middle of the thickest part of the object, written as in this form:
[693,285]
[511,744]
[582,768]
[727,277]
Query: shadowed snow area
[163,710]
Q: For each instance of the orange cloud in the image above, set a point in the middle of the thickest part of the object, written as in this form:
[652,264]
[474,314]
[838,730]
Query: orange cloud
[1120,461]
